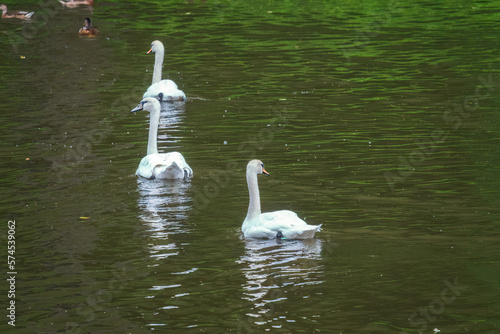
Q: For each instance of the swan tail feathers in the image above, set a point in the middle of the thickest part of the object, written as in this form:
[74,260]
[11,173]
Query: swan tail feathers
[305,233]
[173,170]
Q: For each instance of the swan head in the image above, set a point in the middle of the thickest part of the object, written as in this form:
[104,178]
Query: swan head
[156,46]
[257,167]
[149,104]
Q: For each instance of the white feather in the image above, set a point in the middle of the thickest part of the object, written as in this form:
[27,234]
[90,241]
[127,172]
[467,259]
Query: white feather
[170,165]
[169,90]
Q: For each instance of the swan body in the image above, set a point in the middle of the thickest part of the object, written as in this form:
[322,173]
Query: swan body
[88,29]
[164,166]
[277,224]
[159,165]
[17,14]
[169,90]
[166,87]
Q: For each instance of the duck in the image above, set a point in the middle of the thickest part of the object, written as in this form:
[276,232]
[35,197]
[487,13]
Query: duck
[16,14]
[283,224]
[156,165]
[88,29]
[167,87]
[76,3]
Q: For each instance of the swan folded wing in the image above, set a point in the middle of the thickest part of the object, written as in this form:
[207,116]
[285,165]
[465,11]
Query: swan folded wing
[180,162]
[268,224]
[164,166]
[281,219]
[259,232]
[166,87]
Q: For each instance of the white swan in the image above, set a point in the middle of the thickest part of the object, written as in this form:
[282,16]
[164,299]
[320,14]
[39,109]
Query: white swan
[167,87]
[155,165]
[277,224]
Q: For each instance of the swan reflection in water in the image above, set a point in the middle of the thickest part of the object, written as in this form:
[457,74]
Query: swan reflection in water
[171,119]
[275,269]
[164,204]
[172,113]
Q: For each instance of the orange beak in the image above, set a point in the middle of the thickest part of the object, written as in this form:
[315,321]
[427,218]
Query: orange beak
[265,172]
[149,51]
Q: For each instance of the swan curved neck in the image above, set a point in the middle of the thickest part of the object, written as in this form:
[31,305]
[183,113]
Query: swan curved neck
[253,191]
[154,121]
[158,65]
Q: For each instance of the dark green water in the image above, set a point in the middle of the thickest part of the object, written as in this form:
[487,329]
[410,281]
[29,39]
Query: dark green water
[378,120]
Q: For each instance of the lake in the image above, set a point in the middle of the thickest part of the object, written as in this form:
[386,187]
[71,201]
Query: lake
[378,120]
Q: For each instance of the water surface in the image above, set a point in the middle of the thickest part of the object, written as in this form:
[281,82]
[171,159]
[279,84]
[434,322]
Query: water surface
[377,120]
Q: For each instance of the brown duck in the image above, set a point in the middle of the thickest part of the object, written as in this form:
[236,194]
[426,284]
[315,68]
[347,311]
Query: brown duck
[88,29]
[76,3]
[16,14]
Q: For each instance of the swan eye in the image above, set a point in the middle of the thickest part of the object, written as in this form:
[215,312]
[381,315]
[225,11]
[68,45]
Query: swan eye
[262,165]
